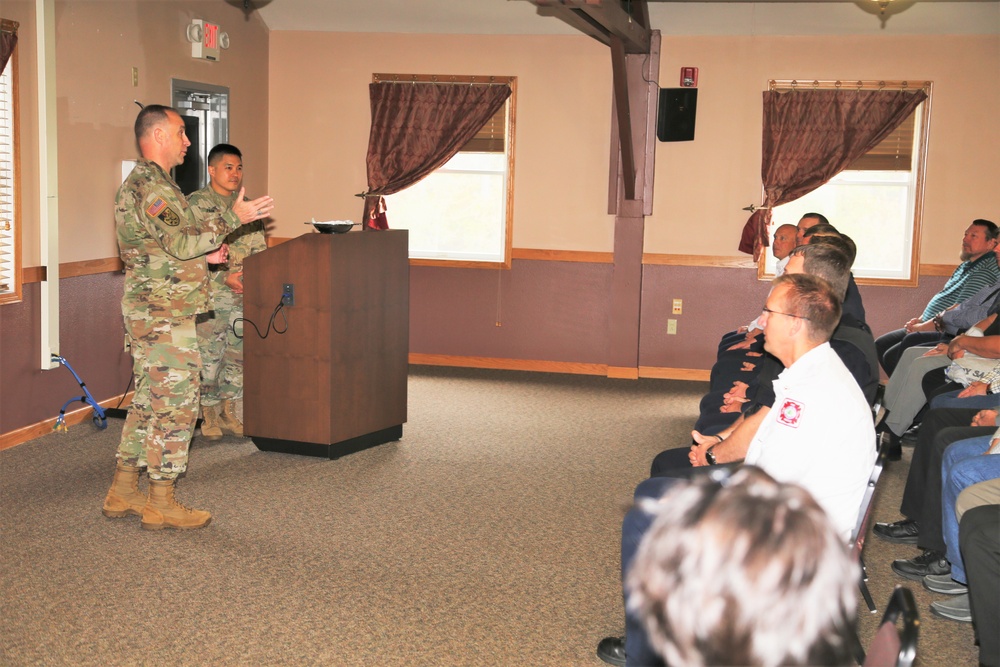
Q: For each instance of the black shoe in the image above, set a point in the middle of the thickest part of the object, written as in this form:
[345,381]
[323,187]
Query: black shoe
[905,531]
[891,447]
[909,439]
[612,651]
[915,569]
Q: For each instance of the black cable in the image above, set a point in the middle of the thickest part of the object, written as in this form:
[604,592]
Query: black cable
[121,400]
[280,308]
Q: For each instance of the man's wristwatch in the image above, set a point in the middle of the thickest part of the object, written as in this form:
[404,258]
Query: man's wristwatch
[709,456]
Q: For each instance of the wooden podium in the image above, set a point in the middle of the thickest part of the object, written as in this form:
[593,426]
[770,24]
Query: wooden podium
[334,382]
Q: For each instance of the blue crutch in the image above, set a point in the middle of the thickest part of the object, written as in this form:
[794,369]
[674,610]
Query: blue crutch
[99,418]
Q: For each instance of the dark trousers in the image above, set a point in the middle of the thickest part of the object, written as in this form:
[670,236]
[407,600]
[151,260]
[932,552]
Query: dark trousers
[890,346]
[638,650]
[979,537]
[922,494]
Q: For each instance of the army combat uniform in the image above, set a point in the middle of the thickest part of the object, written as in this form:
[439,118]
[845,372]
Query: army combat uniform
[162,243]
[221,348]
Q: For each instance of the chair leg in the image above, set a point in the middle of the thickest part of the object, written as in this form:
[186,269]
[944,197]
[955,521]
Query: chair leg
[867,596]
[856,648]
[864,568]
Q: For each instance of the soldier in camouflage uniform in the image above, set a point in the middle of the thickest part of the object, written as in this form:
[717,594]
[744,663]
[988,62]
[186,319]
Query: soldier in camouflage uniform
[221,347]
[163,246]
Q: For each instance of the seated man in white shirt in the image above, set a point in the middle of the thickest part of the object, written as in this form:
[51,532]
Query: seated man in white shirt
[819,432]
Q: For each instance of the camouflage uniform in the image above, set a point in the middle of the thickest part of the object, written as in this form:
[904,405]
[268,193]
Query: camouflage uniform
[162,244]
[221,349]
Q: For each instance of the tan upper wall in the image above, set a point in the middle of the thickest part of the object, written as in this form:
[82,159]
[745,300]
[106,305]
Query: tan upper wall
[320,122]
[320,118]
[97,44]
[300,112]
[708,181]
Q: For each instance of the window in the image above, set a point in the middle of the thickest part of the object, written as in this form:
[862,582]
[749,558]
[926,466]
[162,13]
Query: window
[463,211]
[10,237]
[875,201]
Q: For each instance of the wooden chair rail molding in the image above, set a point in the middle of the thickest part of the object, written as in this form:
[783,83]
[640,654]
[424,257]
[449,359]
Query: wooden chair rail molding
[35,274]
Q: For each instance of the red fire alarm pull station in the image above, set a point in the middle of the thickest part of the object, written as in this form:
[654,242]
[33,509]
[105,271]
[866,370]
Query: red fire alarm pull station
[689,77]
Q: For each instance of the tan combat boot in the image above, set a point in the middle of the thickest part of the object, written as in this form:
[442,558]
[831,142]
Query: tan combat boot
[211,427]
[163,511]
[123,497]
[229,421]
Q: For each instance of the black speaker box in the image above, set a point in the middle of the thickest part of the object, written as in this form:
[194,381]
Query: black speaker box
[675,121]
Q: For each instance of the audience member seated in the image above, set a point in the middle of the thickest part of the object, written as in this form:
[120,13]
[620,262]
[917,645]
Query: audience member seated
[970,365]
[819,434]
[853,304]
[806,222]
[976,271]
[854,345]
[781,247]
[743,570]
[979,540]
[965,469]
[921,503]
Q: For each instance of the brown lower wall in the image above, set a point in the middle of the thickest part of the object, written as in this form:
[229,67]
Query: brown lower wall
[91,340]
[539,315]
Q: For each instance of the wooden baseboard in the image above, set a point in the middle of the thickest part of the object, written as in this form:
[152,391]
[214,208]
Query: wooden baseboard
[674,373]
[495,363]
[32,431]
[508,364]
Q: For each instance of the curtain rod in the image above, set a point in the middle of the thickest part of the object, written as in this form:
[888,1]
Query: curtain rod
[795,84]
[6,25]
[439,78]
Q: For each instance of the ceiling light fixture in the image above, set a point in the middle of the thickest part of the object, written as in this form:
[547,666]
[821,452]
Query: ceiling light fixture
[882,4]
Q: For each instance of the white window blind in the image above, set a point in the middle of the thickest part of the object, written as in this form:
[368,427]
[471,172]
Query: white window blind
[10,251]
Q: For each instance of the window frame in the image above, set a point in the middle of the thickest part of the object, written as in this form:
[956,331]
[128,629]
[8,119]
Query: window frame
[921,135]
[511,122]
[13,242]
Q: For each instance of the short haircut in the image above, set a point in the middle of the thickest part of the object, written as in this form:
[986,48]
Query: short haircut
[821,229]
[812,298]
[149,117]
[992,231]
[842,243]
[828,262]
[818,216]
[219,151]
[744,570]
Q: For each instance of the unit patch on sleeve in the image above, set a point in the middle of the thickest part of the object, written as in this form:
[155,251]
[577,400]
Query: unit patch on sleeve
[159,209]
[790,413]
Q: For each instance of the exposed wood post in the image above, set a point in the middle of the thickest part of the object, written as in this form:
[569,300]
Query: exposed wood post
[630,208]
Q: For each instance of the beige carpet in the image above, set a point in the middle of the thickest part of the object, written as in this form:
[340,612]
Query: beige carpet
[487,536]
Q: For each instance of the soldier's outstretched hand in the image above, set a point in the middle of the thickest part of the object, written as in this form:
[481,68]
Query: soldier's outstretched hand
[255,209]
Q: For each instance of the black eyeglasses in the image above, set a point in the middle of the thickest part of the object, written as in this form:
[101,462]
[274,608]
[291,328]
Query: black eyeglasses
[776,312]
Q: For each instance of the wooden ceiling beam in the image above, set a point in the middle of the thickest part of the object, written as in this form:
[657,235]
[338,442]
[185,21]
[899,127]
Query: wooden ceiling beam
[602,19]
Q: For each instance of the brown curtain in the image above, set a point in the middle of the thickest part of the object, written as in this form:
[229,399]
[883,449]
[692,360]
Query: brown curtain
[812,135]
[416,128]
[8,40]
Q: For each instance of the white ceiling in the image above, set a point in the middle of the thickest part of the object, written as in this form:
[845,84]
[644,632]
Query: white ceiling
[514,17]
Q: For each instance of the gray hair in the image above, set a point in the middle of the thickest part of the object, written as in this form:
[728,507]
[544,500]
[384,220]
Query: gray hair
[744,570]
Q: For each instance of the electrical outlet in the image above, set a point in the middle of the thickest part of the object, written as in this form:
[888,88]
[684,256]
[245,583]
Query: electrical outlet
[671,327]
[288,294]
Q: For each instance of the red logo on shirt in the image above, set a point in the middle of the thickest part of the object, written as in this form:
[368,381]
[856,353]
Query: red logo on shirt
[790,413]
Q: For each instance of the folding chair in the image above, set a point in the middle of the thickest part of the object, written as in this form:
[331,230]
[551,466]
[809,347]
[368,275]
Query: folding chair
[857,543]
[895,642]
